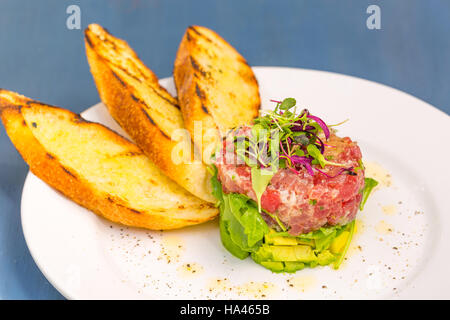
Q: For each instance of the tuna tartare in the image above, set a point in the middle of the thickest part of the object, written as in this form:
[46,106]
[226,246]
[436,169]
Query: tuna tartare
[289,190]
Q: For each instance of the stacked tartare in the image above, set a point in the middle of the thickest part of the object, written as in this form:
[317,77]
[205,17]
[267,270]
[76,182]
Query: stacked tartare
[289,190]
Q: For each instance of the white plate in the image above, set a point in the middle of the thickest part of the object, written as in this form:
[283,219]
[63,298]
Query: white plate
[401,249]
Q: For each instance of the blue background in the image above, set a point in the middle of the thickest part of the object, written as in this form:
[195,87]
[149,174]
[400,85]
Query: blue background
[42,59]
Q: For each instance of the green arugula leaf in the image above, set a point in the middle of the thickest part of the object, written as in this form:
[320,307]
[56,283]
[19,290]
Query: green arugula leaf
[235,229]
[260,181]
[282,163]
[369,184]
[228,243]
[242,227]
[248,216]
[224,219]
[288,103]
[216,185]
[314,152]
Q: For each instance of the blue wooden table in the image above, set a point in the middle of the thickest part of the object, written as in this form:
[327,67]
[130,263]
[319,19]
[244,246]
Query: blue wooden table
[43,59]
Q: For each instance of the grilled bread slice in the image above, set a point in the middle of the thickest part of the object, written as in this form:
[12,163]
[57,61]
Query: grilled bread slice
[145,110]
[97,168]
[216,87]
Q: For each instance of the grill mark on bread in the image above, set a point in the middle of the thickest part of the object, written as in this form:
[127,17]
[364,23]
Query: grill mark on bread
[135,98]
[151,119]
[118,78]
[130,209]
[69,172]
[128,154]
[50,156]
[138,75]
[111,43]
[153,122]
[192,28]
[188,37]
[148,117]
[140,81]
[88,39]
[137,68]
[129,73]
[10,106]
[117,202]
[145,104]
[103,38]
[164,98]
[123,70]
[199,92]
[202,97]
[165,135]
[134,210]
[29,104]
[197,67]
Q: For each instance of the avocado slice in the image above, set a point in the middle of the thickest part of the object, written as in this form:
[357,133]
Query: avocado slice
[280,241]
[285,258]
[263,254]
[293,266]
[308,242]
[325,258]
[286,253]
[339,242]
[274,266]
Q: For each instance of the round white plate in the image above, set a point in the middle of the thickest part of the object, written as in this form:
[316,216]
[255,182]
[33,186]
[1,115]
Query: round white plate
[401,248]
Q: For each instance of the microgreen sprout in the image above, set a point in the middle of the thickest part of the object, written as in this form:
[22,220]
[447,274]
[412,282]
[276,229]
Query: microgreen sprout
[301,139]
